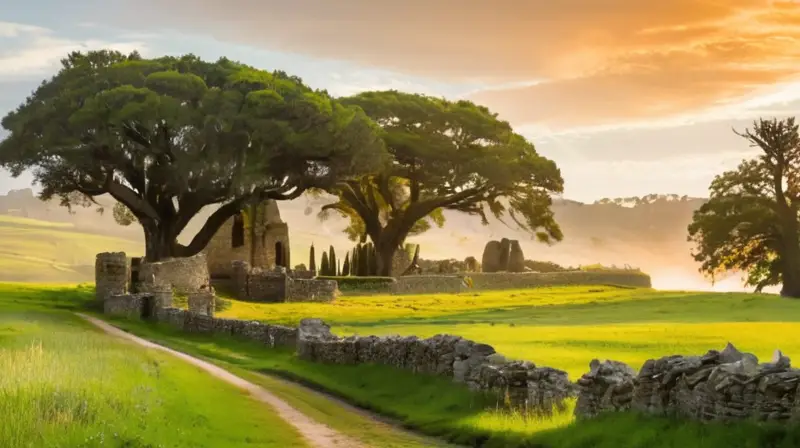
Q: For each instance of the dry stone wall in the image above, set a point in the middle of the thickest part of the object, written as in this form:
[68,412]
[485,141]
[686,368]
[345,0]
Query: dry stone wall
[428,284]
[269,335]
[279,285]
[726,385]
[112,274]
[522,384]
[184,275]
[510,280]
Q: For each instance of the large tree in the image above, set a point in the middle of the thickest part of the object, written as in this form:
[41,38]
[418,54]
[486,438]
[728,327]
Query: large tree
[167,137]
[750,223]
[444,156]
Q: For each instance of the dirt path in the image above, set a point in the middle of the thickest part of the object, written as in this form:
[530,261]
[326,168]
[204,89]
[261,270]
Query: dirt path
[318,435]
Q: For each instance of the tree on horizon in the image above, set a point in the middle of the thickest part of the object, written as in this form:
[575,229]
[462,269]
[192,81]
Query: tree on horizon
[751,222]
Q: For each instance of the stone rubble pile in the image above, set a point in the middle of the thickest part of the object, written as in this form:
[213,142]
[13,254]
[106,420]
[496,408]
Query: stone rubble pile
[726,385]
[522,385]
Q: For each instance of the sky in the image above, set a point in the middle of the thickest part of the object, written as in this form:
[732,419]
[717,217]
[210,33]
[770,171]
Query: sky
[628,97]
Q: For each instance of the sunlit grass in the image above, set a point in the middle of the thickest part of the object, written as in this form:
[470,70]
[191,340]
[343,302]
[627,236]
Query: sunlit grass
[565,327]
[63,384]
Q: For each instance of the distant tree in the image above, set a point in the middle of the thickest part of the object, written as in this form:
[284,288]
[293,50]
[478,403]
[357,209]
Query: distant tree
[444,156]
[167,137]
[312,260]
[332,261]
[346,265]
[324,266]
[750,222]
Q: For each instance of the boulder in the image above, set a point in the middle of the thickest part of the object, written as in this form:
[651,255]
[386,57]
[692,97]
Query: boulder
[516,259]
[490,262]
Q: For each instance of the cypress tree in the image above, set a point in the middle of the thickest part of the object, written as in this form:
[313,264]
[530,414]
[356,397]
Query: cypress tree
[363,261]
[346,265]
[332,261]
[324,266]
[312,260]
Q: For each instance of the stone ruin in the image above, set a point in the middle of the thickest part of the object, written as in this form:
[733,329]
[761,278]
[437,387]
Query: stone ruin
[503,256]
[521,384]
[726,385]
[280,285]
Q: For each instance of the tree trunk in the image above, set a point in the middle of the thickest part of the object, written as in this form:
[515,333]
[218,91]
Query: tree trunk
[790,257]
[385,254]
[160,243]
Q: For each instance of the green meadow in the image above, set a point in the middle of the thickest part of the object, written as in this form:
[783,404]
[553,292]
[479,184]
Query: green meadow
[66,384]
[565,327]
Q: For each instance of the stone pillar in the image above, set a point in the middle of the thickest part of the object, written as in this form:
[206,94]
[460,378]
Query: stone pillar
[111,274]
[161,292]
[202,303]
[241,272]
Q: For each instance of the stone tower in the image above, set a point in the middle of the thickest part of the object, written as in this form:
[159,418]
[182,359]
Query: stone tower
[233,241]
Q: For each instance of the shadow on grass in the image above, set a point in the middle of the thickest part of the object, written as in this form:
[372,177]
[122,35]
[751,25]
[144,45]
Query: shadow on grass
[46,297]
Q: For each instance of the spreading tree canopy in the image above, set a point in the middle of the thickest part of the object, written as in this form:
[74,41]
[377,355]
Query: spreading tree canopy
[166,137]
[444,156]
[750,223]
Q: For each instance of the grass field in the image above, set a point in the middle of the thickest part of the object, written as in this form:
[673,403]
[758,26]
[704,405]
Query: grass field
[52,252]
[565,327]
[64,384]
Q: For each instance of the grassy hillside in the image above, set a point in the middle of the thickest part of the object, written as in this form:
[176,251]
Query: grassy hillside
[565,327]
[40,251]
[65,384]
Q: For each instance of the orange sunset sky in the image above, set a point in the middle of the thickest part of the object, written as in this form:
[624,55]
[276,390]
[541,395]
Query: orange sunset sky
[628,97]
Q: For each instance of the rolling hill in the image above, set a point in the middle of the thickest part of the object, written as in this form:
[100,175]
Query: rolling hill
[647,232]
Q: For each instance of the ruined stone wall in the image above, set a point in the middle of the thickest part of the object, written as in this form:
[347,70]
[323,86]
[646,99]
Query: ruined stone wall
[510,280]
[123,305]
[726,385]
[278,285]
[311,290]
[269,335]
[111,274]
[184,275]
[478,366]
[269,230]
[427,284]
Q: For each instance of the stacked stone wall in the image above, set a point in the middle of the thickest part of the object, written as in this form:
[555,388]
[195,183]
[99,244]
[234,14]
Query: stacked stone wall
[184,275]
[269,335]
[723,386]
[112,274]
[511,280]
[280,285]
[427,284]
[519,384]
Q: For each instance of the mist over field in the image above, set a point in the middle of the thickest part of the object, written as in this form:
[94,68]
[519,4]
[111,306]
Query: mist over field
[649,233]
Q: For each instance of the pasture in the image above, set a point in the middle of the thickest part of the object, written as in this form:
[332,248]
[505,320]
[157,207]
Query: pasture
[65,384]
[565,327]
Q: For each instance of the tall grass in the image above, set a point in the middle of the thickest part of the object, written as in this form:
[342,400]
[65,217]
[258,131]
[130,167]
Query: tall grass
[64,385]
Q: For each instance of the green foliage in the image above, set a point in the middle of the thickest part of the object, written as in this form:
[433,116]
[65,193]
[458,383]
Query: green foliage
[346,265]
[324,267]
[332,262]
[750,223]
[221,304]
[312,260]
[168,136]
[445,156]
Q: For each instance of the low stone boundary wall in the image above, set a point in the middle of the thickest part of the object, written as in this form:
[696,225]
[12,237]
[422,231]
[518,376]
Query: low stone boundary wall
[521,384]
[726,385]
[269,335]
[184,275]
[427,284]
[511,280]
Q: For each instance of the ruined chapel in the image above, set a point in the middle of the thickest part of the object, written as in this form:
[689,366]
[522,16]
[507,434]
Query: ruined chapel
[266,245]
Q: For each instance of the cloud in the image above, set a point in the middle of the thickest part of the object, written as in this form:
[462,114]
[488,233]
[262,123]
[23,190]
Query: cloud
[28,51]
[595,61]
